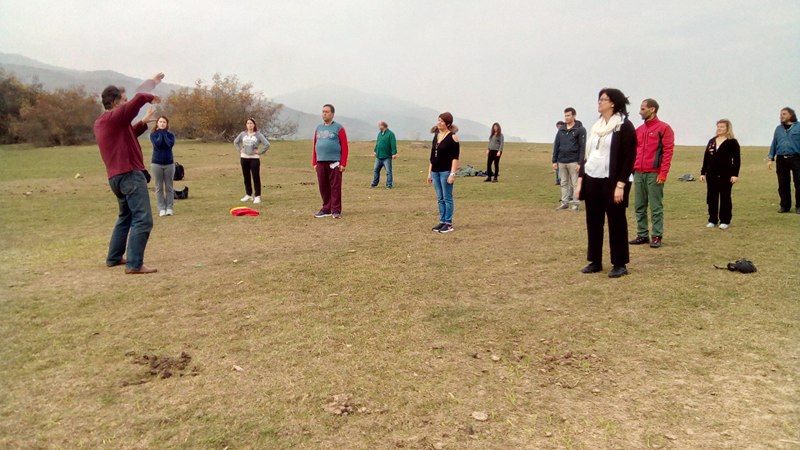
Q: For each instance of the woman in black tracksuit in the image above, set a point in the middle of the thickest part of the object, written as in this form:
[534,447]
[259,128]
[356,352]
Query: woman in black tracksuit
[720,172]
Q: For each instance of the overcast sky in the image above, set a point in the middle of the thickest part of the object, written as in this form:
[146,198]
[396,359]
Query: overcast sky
[516,62]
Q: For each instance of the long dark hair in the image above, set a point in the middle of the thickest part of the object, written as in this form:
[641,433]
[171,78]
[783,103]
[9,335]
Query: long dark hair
[155,127]
[499,130]
[617,98]
[255,125]
[792,115]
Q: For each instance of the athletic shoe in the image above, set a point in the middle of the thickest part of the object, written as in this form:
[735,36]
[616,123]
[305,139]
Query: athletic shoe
[710,225]
[162,213]
[320,214]
[337,215]
[592,268]
[494,180]
[656,242]
[783,210]
[246,198]
[562,206]
[438,227]
[373,185]
[170,211]
[446,228]
[640,240]
[723,226]
[488,180]
[575,207]
[389,187]
[617,271]
[257,199]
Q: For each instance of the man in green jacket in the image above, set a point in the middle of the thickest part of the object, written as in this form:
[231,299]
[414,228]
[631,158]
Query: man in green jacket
[385,152]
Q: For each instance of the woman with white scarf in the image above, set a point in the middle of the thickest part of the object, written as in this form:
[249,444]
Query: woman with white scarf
[604,181]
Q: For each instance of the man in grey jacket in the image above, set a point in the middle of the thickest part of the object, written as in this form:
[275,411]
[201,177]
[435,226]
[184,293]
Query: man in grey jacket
[568,151]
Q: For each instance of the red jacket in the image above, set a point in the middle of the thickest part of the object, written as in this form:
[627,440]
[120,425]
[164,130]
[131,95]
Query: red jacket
[655,145]
[116,137]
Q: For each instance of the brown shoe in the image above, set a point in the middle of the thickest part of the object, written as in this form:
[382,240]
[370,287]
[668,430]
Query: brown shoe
[141,270]
[121,262]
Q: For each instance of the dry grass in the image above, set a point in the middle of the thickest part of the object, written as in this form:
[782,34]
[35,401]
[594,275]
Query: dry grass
[403,321]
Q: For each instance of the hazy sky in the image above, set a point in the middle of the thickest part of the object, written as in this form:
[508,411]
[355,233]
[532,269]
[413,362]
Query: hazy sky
[517,62]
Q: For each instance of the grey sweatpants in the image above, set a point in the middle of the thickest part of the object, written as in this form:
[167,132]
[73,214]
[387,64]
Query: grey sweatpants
[165,193]
[568,172]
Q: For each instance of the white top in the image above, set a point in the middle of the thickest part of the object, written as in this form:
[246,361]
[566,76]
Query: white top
[600,157]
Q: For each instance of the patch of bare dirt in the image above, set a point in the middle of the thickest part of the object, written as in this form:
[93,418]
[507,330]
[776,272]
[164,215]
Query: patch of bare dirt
[162,367]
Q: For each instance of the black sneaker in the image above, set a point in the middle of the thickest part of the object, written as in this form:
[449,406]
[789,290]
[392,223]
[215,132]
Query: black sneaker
[488,180]
[783,210]
[592,268]
[337,215]
[438,227]
[639,240]
[617,271]
[494,180]
[446,228]
[320,214]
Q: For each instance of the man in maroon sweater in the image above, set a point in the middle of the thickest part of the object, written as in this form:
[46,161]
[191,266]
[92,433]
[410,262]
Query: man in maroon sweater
[122,155]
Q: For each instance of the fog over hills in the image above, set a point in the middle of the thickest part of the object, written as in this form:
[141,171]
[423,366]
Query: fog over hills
[357,111]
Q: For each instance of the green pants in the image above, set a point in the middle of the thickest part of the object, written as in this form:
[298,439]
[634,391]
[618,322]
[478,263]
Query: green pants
[648,193]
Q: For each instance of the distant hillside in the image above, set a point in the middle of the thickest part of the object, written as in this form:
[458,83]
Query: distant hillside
[357,111]
[406,119]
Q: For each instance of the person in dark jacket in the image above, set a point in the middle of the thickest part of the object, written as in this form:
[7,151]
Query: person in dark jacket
[720,172]
[493,153]
[445,151]
[785,152]
[163,166]
[568,149]
[604,181]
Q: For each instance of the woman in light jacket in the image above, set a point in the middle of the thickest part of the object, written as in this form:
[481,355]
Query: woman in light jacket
[493,153]
[247,143]
[720,172]
[604,181]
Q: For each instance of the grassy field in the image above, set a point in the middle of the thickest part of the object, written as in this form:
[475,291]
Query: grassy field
[414,332]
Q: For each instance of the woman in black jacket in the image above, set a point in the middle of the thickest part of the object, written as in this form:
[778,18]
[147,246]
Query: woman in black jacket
[604,181]
[720,172]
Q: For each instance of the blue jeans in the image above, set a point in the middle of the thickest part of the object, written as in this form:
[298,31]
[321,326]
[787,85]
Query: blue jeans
[376,172]
[444,195]
[134,217]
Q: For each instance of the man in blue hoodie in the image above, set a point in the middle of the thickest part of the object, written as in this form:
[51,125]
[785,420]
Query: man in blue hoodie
[785,151]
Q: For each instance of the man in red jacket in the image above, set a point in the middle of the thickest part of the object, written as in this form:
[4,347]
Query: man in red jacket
[122,156]
[655,145]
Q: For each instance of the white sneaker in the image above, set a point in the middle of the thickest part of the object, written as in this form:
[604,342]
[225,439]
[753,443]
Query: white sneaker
[170,211]
[246,198]
[162,213]
[257,200]
[723,226]
[710,225]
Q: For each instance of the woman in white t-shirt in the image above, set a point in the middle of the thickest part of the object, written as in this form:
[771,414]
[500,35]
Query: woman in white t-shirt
[247,143]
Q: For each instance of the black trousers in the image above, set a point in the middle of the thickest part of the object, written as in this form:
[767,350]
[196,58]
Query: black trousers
[599,196]
[783,168]
[251,167]
[718,198]
[493,159]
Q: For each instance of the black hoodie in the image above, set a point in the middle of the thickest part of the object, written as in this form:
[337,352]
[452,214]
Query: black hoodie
[570,144]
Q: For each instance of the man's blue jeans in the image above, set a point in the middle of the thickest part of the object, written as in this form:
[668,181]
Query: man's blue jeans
[135,218]
[376,172]
[444,195]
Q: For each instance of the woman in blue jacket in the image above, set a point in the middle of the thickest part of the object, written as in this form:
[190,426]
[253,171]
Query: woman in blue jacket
[163,166]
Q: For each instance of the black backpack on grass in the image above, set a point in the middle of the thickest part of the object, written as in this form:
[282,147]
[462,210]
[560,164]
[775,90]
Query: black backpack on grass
[179,172]
[740,265]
